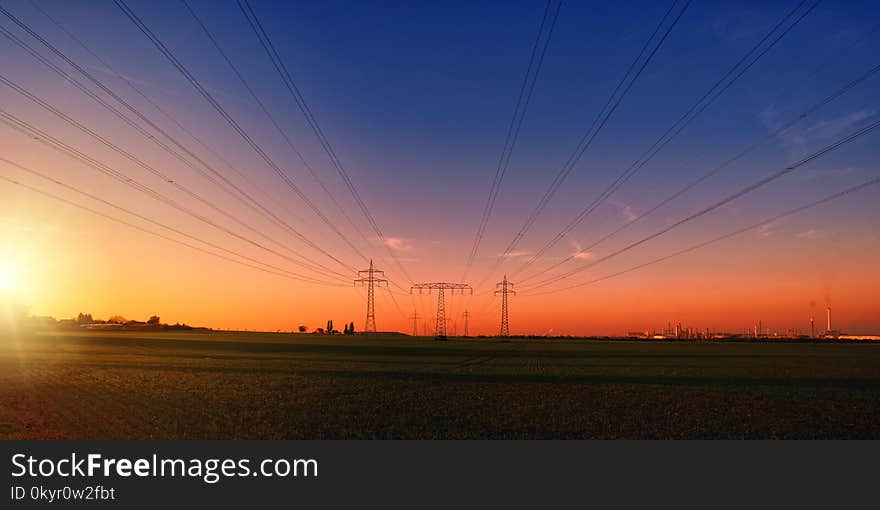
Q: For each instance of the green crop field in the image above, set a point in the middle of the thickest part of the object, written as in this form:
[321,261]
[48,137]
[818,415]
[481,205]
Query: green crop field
[270,386]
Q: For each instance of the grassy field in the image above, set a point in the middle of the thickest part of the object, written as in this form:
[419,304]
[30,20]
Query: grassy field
[273,386]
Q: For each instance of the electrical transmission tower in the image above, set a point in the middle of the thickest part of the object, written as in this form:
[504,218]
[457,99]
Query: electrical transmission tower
[446,322]
[504,288]
[415,317]
[442,287]
[370,278]
[467,315]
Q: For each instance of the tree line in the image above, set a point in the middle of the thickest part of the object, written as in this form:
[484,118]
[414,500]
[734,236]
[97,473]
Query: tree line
[348,329]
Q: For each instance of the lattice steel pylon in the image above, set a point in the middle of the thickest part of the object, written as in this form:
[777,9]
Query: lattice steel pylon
[415,317]
[505,288]
[434,320]
[442,287]
[373,277]
[466,315]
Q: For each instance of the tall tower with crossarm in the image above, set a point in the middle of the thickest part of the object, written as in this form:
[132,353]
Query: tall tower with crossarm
[441,288]
[504,288]
[370,278]
[415,317]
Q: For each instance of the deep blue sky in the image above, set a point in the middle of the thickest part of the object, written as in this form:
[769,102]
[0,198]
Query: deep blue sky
[417,96]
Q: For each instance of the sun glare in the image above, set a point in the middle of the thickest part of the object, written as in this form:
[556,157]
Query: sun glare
[7,279]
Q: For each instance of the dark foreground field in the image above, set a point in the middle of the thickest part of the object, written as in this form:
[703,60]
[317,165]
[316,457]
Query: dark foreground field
[219,385]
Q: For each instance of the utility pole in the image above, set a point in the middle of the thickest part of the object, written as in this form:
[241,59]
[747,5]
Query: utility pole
[467,315]
[442,287]
[415,317]
[373,277]
[504,288]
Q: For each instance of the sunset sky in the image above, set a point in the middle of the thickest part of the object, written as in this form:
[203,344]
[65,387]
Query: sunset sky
[416,99]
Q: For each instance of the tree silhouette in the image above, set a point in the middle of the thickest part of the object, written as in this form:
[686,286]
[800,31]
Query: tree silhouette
[154,320]
[302,328]
[351,328]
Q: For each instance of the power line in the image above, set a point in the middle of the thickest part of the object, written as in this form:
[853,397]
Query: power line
[522,103]
[231,121]
[677,127]
[251,202]
[770,136]
[286,77]
[829,198]
[52,142]
[281,131]
[748,189]
[67,77]
[64,75]
[394,301]
[591,134]
[275,123]
[154,222]
[268,269]
[152,170]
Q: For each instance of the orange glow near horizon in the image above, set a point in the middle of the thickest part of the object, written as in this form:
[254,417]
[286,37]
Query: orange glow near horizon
[108,269]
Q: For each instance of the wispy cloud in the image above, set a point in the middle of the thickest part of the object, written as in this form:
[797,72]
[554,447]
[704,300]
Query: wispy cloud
[798,138]
[770,119]
[810,234]
[398,243]
[767,230]
[514,254]
[626,210]
[579,252]
[834,127]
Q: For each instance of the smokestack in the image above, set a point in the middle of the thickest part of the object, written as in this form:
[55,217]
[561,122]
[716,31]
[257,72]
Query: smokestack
[812,328]
[828,310]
